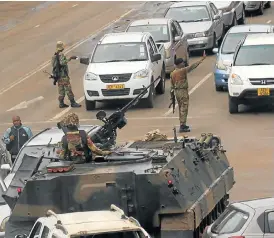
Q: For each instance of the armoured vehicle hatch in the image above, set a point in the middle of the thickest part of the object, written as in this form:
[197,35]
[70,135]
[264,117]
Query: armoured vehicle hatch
[174,189]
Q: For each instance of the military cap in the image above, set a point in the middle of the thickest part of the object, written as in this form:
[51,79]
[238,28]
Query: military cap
[72,119]
[179,61]
[60,45]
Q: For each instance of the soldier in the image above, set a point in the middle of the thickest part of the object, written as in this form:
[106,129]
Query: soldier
[179,84]
[64,86]
[76,144]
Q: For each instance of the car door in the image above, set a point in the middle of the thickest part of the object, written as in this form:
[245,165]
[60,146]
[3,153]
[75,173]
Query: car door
[153,65]
[183,47]
[268,224]
[175,44]
[158,66]
[218,22]
[36,230]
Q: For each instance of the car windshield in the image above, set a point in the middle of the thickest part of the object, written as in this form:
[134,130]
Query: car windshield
[255,55]
[120,52]
[188,14]
[159,32]
[231,221]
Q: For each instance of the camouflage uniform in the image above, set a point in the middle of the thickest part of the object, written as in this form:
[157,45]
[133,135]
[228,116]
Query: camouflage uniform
[64,86]
[179,84]
[73,146]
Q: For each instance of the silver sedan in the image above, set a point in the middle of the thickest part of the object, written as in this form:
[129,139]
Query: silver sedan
[259,6]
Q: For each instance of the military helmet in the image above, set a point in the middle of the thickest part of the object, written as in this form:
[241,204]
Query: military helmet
[72,119]
[60,45]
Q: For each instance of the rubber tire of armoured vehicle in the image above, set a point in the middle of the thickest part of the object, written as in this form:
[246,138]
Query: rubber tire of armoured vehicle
[149,101]
[90,105]
[160,88]
[218,88]
[268,5]
[242,20]
[233,106]
[261,9]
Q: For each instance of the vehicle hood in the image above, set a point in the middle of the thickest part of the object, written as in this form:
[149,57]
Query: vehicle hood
[256,71]
[117,67]
[193,27]
[221,5]
[226,58]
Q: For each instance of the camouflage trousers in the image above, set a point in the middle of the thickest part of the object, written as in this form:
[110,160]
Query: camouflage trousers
[182,98]
[64,87]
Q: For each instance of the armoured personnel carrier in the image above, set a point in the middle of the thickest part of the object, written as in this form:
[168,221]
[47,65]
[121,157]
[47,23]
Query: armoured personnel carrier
[173,187]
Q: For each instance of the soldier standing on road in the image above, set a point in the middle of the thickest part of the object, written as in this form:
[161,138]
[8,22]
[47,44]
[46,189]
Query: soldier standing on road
[179,84]
[76,144]
[64,86]
[16,136]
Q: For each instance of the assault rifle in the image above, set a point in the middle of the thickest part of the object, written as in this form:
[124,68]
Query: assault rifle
[106,134]
[172,98]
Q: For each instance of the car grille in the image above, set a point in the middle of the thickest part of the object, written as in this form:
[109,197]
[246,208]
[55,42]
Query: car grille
[118,78]
[115,92]
[251,94]
[261,81]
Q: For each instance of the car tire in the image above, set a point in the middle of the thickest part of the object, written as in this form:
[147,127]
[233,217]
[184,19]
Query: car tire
[233,106]
[261,9]
[90,105]
[242,21]
[268,5]
[160,89]
[218,88]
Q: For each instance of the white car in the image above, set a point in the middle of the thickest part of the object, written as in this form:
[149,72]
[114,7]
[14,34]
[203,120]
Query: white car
[251,79]
[120,65]
[98,224]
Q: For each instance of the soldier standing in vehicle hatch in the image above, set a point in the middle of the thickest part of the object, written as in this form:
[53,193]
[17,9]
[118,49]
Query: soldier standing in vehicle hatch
[76,144]
[179,84]
[64,86]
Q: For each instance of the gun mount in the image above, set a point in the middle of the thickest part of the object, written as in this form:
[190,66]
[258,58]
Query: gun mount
[174,188]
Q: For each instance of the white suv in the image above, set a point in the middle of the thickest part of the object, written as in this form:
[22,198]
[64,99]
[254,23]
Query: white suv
[98,224]
[251,78]
[121,64]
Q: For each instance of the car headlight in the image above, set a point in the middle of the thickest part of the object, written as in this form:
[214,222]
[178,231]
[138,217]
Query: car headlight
[91,76]
[202,34]
[3,224]
[220,65]
[236,79]
[141,74]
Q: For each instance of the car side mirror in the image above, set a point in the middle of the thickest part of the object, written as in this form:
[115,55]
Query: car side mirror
[215,50]
[5,167]
[156,57]
[216,17]
[177,38]
[84,61]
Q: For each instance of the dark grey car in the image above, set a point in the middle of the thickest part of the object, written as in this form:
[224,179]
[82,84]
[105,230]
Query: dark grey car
[246,219]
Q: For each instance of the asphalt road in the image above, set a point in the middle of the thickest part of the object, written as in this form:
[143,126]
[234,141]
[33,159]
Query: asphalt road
[29,32]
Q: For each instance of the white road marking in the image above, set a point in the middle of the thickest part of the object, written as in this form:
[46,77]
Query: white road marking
[75,5]
[36,26]
[25,104]
[69,49]
[268,22]
[191,91]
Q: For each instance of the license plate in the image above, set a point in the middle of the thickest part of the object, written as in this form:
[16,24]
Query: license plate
[263,91]
[116,86]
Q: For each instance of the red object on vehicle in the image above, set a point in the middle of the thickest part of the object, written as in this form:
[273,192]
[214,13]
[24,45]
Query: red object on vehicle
[19,190]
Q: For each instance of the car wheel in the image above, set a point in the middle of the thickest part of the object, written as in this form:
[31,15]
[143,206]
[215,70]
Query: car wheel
[160,89]
[90,105]
[268,5]
[242,20]
[261,9]
[218,88]
[233,106]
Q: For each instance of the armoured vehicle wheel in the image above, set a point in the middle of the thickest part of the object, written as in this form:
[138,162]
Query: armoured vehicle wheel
[160,89]
[233,106]
[90,105]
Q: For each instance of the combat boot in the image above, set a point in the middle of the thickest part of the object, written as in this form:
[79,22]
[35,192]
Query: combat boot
[184,128]
[74,104]
[62,104]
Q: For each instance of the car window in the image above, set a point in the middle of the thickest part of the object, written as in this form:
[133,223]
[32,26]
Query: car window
[128,234]
[215,10]
[255,55]
[270,219]
[119,52]
[36,229]
[231,41]
[160,33]
[150,48]
[178,28]
[153,45]
[45,232]
[174,31]
[188,14]
[232,221]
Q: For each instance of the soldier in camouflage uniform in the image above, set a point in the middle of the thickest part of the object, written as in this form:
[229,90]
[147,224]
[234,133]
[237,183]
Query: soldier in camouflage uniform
[179,84]
[64,86]
[76,144]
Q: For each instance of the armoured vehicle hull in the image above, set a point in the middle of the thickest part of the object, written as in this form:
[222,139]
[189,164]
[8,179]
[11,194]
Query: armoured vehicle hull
[174,189]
